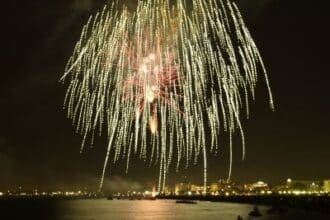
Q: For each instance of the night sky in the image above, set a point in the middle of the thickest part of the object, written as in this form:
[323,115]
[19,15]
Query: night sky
[38,146]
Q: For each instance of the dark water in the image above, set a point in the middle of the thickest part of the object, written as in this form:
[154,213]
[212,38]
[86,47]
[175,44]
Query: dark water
[137,209]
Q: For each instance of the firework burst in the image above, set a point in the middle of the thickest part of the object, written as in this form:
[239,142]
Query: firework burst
[164,81]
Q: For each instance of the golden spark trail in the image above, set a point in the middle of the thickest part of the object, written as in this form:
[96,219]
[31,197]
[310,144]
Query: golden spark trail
[163,82]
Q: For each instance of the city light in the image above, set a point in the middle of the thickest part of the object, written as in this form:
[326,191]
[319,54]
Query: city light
[218,188]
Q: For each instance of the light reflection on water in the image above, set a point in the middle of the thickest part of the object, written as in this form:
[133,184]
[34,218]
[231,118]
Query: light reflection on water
[168,209]
[144,209]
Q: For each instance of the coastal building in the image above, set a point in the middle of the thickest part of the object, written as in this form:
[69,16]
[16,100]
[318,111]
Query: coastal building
[326,186]
[302,187]
[182,188]
[196,189]
[226,187]
[168,190]
[215,188]
[305,185]
[259,187]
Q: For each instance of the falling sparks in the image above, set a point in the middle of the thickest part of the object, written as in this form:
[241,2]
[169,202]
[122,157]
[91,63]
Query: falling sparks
[163,82]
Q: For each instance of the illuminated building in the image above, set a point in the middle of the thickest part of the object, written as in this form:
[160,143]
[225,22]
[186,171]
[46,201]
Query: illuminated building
[302,187]
[215,188]
[326,186]
[196,190]
[258,187]
[307,185]
[168,190]
[182,188]
[225,187]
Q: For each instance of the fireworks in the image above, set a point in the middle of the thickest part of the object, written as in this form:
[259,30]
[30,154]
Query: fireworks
[164,81]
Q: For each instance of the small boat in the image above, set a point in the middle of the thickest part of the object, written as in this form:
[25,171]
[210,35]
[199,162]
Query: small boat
[255,212]
[184,201]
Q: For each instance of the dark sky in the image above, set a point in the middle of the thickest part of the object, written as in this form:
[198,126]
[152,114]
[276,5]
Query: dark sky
[38,146]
